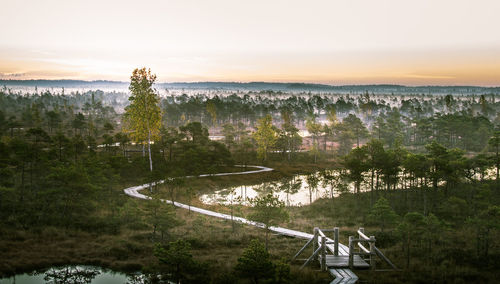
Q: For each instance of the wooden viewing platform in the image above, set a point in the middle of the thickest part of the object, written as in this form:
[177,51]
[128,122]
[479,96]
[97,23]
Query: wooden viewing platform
[342,261]
[339,259]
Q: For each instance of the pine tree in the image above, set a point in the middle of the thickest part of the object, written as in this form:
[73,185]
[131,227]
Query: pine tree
[269,210]
[255,262]
[265,136]
[382,214]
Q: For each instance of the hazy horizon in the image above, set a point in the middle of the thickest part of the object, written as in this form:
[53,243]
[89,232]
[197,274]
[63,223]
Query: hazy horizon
[240,82]
[425,43]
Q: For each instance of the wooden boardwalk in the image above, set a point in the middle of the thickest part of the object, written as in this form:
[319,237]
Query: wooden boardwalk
[342,275]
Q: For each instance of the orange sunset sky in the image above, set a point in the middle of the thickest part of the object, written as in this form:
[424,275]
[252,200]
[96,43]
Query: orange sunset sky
[439,42]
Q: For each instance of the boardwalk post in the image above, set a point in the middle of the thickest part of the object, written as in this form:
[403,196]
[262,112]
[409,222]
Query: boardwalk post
[372,252]
[323,254]
[336,241]
[351,252]
[315,241]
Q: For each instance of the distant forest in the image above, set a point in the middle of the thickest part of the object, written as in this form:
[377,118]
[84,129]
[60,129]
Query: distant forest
[260,86]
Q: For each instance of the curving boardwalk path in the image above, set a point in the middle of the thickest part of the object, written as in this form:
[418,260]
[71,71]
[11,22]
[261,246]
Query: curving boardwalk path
[341,275]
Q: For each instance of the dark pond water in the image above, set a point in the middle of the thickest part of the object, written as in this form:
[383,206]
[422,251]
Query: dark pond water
[79,274]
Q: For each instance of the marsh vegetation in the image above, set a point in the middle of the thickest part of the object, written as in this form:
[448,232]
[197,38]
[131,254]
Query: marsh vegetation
[424,165]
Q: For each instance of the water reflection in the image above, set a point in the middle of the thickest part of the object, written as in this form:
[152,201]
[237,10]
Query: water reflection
[71,275]
[79,274]
[304,189]
[298,190]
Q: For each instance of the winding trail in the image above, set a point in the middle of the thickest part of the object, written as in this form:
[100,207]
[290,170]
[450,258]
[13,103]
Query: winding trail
[341,275]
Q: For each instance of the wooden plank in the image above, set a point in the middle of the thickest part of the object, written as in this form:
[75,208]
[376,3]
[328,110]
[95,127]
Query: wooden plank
[338,277]
[342,275]
[351,274]
[342,261]
[345,276]
[343,250]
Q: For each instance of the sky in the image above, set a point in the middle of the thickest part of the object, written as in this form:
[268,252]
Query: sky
[338,42]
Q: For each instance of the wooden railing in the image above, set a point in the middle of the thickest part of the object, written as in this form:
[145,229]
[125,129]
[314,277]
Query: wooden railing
[320,244]
[371,251]
[361,241]
[360,245]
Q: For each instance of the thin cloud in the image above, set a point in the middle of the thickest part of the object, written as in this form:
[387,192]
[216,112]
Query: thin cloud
[12,75]
[423,76]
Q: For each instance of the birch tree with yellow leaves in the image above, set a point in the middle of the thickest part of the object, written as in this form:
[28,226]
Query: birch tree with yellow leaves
[143,115]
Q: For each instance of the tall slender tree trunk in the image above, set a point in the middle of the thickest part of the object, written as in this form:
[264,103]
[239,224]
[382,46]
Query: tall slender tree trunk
[497,163]
[150,160]
[289,148]
[371,189]
[408,251]
[149,152]
[425,200]
[76,153]
[22,182]
[315,145]
[31,176]
[267,237]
